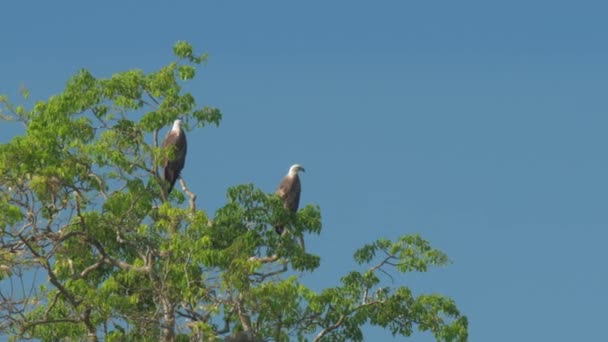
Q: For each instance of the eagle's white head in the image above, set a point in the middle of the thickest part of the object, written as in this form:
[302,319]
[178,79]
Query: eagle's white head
[294,169]
[177,125]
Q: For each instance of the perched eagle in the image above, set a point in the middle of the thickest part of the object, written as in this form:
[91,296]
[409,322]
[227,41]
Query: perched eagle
[174,163]
[289,191]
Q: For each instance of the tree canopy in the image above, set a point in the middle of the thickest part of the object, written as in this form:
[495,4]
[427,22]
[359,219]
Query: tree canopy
[93,246]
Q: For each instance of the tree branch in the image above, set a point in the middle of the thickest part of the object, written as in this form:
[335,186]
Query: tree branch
[263,276]
[243,315]
[44,261]
[91,268]
[327,330]
[190,194]
[118,263]
[264,260]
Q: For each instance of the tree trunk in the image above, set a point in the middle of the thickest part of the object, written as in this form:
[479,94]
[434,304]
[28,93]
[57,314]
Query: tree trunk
[167,332]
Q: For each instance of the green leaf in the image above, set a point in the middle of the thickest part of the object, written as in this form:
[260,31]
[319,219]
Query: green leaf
[182,49]
[186,72]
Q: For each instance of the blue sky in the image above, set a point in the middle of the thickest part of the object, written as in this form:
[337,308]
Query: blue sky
[480,125]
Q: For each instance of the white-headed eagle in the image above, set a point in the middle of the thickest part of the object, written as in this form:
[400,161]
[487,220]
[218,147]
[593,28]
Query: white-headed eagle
[289,191]
[174,163]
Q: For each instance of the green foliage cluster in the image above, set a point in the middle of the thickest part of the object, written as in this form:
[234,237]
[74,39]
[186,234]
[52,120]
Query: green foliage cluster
[82,202]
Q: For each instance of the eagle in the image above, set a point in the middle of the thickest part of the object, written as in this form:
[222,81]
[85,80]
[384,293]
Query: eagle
[289,191]
[174,162]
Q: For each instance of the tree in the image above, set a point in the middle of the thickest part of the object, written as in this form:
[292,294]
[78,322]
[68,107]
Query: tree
[82,202]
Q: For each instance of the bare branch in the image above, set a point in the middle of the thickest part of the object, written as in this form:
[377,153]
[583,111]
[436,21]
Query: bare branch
[382,263]
[50,321]
[265,260]
[329,329]
[263,276]
[242,313]
[341,320]
[44,261]
[126,266]
[190,194]
[48,310]
[101,183]
[118,263]
[91,268]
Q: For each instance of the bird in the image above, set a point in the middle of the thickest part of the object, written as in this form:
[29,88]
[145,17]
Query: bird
[289,191]
[174,162]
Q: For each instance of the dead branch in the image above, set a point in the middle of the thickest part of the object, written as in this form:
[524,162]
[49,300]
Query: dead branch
[265,260]
[190,194]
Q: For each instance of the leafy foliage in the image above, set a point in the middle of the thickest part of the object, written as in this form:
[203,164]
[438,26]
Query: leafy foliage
[82,202]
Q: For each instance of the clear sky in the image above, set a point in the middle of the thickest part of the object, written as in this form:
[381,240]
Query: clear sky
[479,124]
